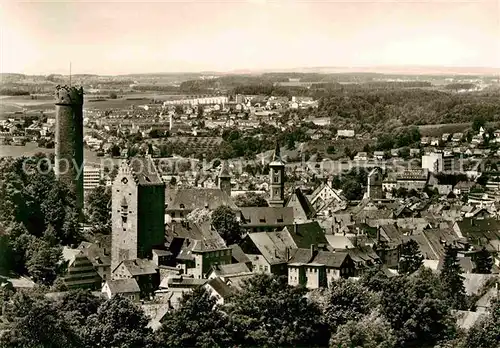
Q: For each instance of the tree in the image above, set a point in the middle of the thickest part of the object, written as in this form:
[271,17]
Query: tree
[484,262]
[98,209]
[42,261]
[251,199]
[411,259]
[352,190]
[416,310]
[348,152]
[113,95]
[117,323]
[347,301]
[452,280]
[198,323]
[115,151]
[372,331]
[330,150]
[36,323]
[477,123]
[78,305]
[485,333]
[270,313]
[226,224]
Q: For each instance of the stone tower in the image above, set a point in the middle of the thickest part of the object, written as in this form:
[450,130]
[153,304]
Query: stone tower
[69,139]
[277,178]
[375,184]
[224,179]
[138,211]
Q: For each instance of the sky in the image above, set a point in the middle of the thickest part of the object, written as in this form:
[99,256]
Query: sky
[120,37]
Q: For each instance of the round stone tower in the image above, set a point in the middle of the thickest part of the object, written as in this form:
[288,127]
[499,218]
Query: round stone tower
[69,139]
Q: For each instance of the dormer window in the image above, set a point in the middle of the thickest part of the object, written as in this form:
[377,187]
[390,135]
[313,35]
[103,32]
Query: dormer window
[181,206]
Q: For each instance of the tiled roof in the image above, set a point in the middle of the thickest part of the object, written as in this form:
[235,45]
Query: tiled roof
[121,286]
[197,198]
[139,267]
[267,216]
[300,255]
[329,259]
[338,241]
[364,254]
[304,203]
[476,228]
[272,245]
[305,234]
[220,287]
[238,254]
[144,171]
[232,268]
[193,231]
[473,282]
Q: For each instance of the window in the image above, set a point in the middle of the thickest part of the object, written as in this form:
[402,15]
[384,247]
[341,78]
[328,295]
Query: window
[262,220]
[182,206]
[276,177]
[280,220]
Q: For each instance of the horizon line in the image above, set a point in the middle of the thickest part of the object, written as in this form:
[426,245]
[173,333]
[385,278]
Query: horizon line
[354,69]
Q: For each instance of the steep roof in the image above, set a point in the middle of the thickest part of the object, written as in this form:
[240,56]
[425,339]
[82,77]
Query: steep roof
[329,259]
[140,267]
[300,255]
[238,254]
[232,268]
[197,198]
[304,203]
[277,161]
[121,286]
[220,287]
[473,282]
[267,216]
[488,229]
[306,234]
[272,245]
[144,171]
[364,254]
[338,241]
[224,171]
[192,231]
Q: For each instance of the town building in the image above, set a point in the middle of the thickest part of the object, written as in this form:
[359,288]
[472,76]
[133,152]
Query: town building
[92,177]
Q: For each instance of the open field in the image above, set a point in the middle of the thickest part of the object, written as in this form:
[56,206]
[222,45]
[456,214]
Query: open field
[13,104]
[31,148]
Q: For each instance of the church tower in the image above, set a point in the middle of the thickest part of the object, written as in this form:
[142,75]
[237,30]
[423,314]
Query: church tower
[138,211]
[224,179]
[277,178]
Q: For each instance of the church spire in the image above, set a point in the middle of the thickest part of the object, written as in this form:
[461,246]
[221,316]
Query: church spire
[224,171]
[277,156]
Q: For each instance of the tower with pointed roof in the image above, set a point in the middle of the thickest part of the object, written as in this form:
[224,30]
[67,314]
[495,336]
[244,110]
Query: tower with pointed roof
[138,211]
[277,178]
[224,179]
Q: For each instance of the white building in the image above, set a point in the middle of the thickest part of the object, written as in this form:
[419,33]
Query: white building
[91,178]
[345,133]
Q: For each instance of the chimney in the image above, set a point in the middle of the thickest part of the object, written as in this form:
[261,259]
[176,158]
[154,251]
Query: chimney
[378,234]
[295,228]
[313,251]
[287,254]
